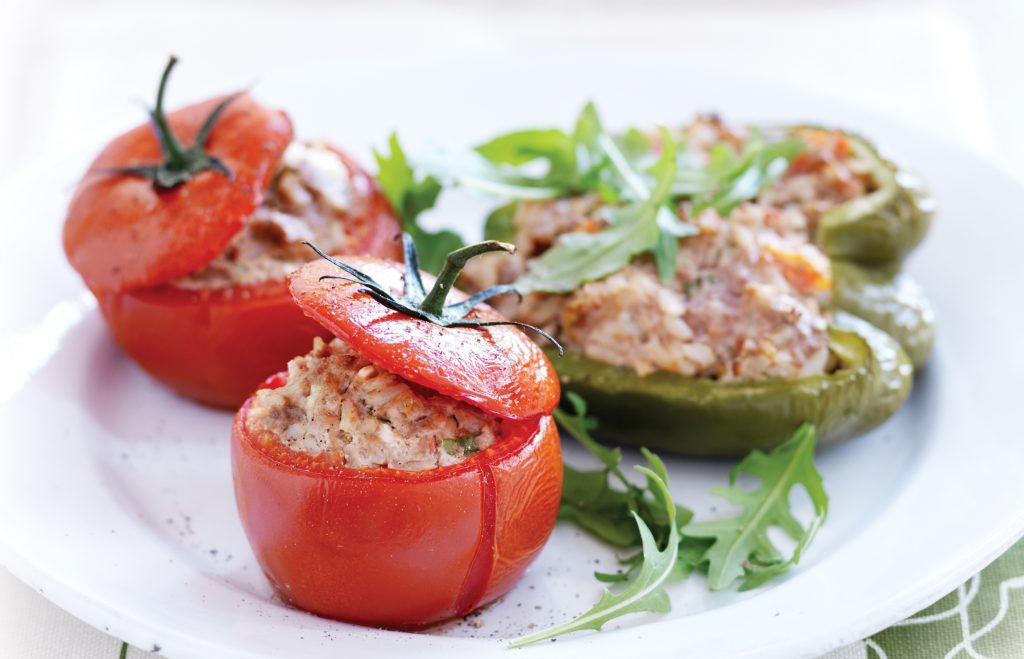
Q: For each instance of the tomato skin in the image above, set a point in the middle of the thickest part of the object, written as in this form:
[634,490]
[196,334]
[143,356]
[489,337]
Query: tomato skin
[391,548]
[218,345]
[121,233]
[498,369]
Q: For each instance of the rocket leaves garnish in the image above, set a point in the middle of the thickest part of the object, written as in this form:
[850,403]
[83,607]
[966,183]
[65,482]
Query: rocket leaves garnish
[409,198]
[632,229]
[741,548]
[631,516]
[729,179]
[625,172]
[590,501]
[644,593]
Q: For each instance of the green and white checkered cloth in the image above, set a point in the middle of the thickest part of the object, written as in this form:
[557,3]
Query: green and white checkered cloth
[983,618]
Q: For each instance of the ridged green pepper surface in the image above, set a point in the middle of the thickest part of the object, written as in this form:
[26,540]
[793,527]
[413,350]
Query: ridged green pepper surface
[870,381]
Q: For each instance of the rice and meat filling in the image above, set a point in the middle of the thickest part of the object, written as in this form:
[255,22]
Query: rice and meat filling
[338,405]
[751,289]
[310,198]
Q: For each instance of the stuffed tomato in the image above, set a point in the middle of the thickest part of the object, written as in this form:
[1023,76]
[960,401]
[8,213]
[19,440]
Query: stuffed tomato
[409,470]
[700,279]
[185,230]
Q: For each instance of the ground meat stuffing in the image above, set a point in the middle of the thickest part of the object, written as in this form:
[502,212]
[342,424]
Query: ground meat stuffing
[750,293]
[310,198]
[340,406]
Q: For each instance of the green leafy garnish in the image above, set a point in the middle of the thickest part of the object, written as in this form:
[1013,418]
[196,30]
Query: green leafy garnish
[465,445]
[729,179]
[740,547]
[632,229]
[644,593]
[501,224]
[590,501]
[409,198]
[647,517]
[627,173]
[180,163]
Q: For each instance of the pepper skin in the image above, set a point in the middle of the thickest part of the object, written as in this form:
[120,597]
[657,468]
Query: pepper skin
[391,548]
[884,225]
[702,417]
[889,300]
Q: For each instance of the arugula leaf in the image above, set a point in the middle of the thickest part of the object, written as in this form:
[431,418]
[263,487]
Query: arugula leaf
[501,224]
[589,501]
[728,179]
[521,147]
[633,229]
[409,197]
[644,592]
[741,548]
[725,550]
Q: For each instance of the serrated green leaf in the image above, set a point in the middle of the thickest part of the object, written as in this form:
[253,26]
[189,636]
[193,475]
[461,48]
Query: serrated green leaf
[409,198]
[741,548]
[633,229]
[643,594]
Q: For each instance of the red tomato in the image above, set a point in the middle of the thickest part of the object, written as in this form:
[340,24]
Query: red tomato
[128,240]
[498,369]
[401,548]
[392,548]
[122,233]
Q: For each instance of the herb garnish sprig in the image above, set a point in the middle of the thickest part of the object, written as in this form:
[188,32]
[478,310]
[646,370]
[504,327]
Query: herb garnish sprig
[629,174]
[731,549]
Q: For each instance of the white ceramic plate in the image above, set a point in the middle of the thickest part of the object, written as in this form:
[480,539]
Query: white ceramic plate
[115,495]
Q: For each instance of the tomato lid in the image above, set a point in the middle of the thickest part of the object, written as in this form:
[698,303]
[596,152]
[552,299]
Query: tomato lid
[495,368]
[123,231]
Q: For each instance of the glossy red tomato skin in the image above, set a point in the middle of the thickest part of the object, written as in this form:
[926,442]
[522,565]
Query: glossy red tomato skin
[121,233]
[217,346]
[397,549]
[498,369]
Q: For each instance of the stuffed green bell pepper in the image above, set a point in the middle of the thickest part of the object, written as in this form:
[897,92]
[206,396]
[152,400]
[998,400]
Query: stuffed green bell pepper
[698,278]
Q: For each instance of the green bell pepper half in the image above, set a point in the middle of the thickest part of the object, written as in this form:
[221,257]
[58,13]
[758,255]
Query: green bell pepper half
[702,417]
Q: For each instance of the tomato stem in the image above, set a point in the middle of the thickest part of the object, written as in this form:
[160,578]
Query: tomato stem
[179,164]
[432,307]
[433,303]
[174,152]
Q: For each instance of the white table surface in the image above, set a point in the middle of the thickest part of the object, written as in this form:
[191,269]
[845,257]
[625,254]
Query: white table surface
[68,68]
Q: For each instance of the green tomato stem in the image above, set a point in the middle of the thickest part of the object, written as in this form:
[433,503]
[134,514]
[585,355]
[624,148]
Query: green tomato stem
[433,303]
[174,152]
